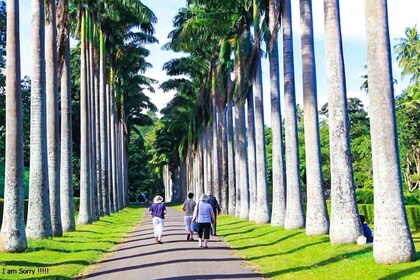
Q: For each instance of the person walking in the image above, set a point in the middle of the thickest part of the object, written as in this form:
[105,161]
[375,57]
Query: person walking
[204,216]
[158,211]
[188,208]
[216,210]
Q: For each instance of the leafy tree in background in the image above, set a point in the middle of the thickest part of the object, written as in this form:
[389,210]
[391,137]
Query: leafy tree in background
[360,142]
[407,109]
[144,173]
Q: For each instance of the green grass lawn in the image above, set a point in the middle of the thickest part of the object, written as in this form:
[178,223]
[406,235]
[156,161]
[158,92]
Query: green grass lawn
[65,257]
[282,254]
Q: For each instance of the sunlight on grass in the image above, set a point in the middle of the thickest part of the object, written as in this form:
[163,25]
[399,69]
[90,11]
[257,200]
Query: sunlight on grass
[64,257]
[282,254]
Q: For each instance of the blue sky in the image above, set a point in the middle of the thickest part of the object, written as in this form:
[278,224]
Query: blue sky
[402,14]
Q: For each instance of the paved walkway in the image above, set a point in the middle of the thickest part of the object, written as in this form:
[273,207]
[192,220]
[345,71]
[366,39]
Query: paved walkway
[139,257]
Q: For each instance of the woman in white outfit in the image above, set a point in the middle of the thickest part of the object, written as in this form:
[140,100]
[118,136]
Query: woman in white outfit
[158,211]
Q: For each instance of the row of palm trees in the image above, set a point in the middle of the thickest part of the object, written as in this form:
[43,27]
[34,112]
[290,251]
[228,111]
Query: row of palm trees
[112,60]
[208,151]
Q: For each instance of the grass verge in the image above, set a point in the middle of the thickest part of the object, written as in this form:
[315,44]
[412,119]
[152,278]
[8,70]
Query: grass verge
[64,257]
[282,254]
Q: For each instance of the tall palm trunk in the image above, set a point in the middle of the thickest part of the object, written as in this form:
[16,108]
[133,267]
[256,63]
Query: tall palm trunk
[97,131]
[113,156]
[209,173]
[240,177]
[345,224]
[39,215]
[12,235]
[85,212]
[393,241]
[223,161]
[109,148]
[66,167]
[279,177]
[316,209]
[125,169]
[53,133]
[294,210]
[103,126]
[92,122]
[262,213]
[252,170]
[215,150]
[231,160]
[119,168]
[244,183]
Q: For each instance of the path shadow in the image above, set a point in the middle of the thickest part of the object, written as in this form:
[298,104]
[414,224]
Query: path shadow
[49,277]
[157,264]
[143,234]
[326,262]
[233,223]
[270,243]
[402,273]
[240,233]
[82,242]
[287,252]
[36,264]
[164,251]
[257,236]
[212,276]
[234,228]
[135,240]
[132,247]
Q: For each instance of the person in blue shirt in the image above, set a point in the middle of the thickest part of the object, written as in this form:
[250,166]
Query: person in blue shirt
[367,232]
[158,211]
[204,216]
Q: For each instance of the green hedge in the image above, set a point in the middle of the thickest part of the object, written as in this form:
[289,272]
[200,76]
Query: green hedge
[413,212]
[76,207]
[413,215]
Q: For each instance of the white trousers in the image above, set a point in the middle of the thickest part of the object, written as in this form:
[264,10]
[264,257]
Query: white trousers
[158,224]
[187,223]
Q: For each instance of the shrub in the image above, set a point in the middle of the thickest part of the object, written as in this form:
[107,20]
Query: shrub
[364,196]
[413,215]
[76,208]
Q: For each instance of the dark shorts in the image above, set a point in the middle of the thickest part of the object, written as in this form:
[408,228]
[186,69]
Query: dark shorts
[204,228]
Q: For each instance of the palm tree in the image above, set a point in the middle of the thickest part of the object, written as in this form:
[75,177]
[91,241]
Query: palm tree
[85,211]
[316,209]
[215,155]
[39,215]
[278,212]
[294,210]
[66,166]
[103,127]
[92,114]
[231,160]
[252,172]
[12,235]
[262,213]
[345,225]
[53,134]
[393,241]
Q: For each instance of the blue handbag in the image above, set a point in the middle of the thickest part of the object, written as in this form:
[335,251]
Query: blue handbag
[194,225]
